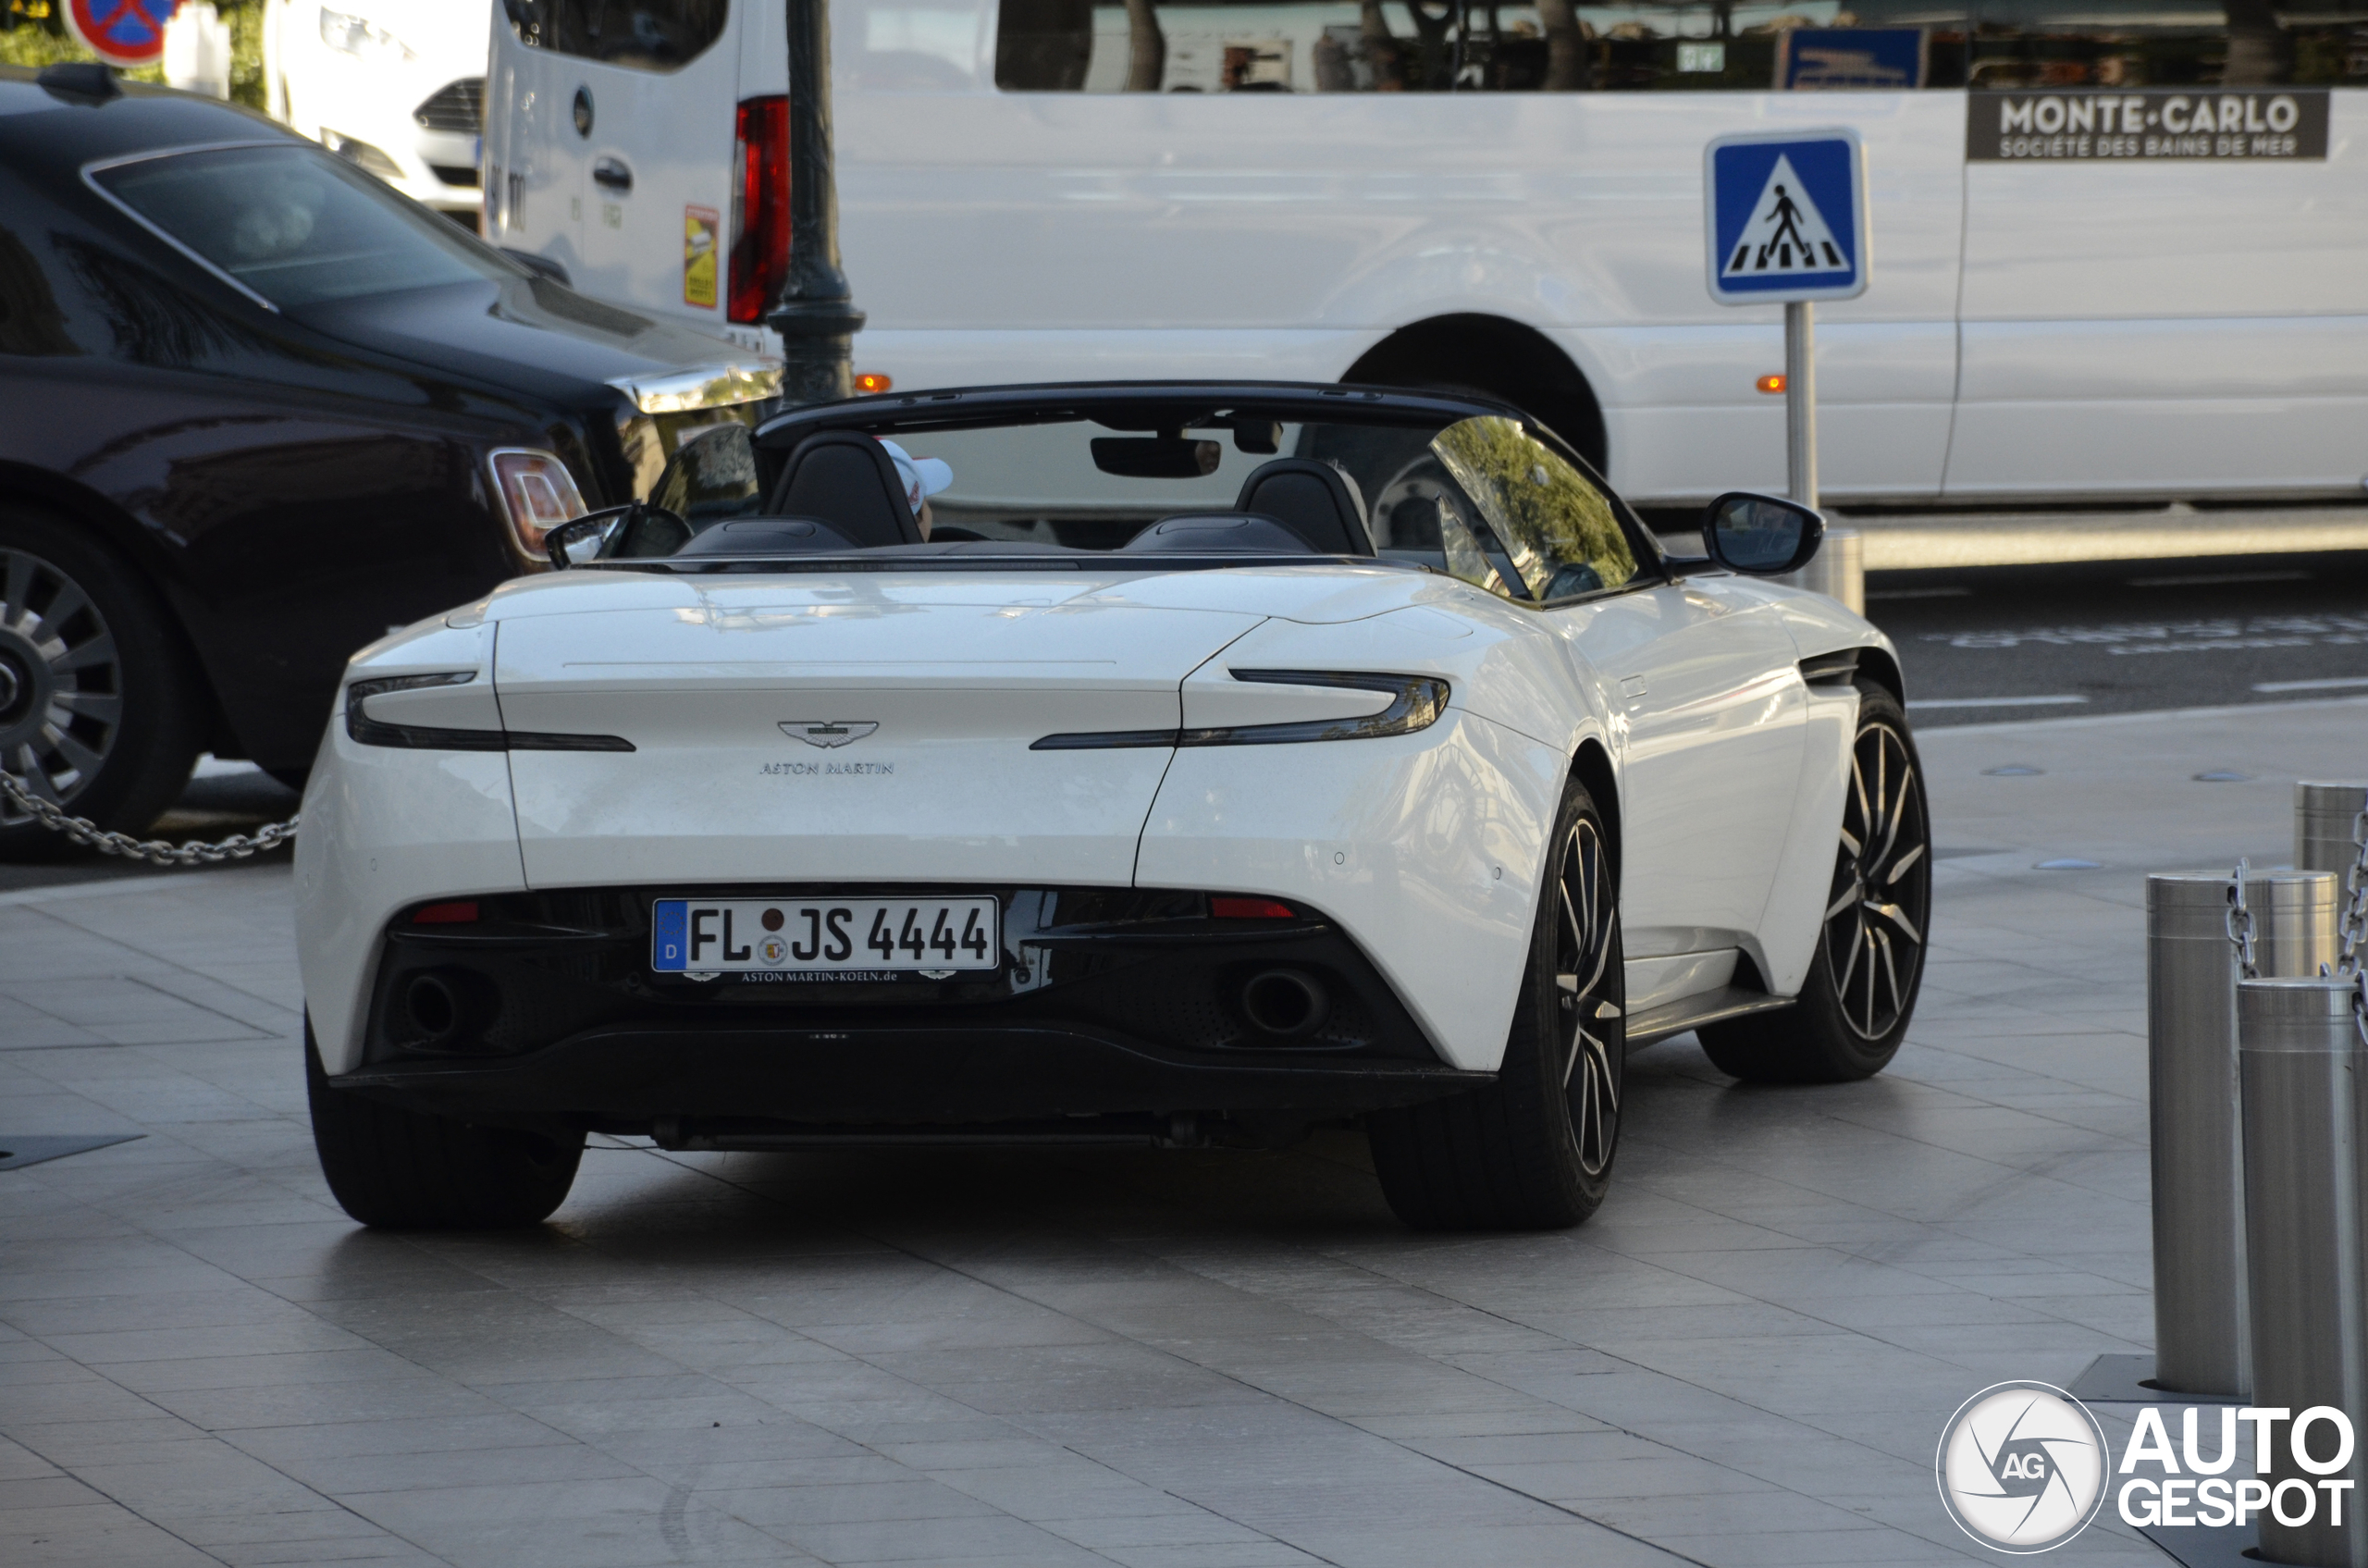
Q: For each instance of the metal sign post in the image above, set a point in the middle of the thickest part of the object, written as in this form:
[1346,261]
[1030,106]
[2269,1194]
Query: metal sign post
[1784,214]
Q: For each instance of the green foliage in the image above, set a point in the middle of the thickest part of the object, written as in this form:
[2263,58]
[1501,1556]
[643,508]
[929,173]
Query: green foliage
[1545,511]
[37,35]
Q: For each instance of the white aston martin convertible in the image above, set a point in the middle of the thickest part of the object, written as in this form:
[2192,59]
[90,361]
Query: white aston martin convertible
[1179,763]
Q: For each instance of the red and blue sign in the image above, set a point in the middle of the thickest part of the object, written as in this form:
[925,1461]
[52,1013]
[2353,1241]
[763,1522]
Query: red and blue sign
[124,33]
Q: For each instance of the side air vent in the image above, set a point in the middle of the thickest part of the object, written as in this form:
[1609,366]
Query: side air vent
[1830,669]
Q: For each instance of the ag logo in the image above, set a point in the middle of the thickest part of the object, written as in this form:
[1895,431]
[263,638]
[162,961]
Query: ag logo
[2022,1467]
[827,733]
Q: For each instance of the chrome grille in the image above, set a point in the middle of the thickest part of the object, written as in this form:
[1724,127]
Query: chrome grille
[458,105]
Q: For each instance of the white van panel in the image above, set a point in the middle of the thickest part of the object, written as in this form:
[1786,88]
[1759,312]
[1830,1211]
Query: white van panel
[2175,329]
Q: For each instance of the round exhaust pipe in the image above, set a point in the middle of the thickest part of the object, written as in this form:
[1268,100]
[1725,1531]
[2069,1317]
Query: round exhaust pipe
[447,1007]
[1286,1002]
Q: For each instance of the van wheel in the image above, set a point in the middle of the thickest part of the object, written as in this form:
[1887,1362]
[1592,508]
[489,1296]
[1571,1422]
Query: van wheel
[1861,989]
[399,1169]
[1531,1151]
[98,713]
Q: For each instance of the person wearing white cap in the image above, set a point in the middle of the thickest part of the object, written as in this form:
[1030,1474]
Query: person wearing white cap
[923,478]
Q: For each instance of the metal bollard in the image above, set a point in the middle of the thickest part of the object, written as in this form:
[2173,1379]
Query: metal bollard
[2192,968]
[1838,570]
[2303,1045]
[2323,818]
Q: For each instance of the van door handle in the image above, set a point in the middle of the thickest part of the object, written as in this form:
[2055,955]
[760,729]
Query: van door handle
[611,174]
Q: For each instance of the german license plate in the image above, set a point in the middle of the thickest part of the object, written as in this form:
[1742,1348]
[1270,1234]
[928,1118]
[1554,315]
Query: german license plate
[823,936]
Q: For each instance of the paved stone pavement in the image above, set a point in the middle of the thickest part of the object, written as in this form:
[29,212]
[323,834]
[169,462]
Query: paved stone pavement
[1216,1360]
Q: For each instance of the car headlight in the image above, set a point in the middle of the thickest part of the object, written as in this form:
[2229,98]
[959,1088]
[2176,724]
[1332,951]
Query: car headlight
[1416,703]
[537,495]
[361,37]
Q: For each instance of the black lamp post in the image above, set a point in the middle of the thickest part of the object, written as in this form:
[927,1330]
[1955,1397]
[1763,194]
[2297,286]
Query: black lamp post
[816,313]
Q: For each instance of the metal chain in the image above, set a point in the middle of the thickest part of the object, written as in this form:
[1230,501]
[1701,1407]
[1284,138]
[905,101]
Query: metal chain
[2240,925]
[2359,1004]
[2352,920]
[155,851]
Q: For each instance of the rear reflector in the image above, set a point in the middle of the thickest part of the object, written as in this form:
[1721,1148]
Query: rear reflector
[446,914]
[1250,910]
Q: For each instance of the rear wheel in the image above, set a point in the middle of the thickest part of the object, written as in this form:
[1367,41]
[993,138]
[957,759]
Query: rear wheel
[1534,1150]
[97,712]
[1861,989]
[402,1170]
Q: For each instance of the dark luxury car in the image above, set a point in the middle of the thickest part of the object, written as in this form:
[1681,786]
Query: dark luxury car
[256,409]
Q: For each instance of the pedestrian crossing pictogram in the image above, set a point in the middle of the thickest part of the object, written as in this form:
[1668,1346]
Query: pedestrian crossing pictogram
[1785,216]
[1787,234]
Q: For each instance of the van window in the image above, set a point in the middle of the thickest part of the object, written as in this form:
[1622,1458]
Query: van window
[649,35]
[2041,44]
[1459,46]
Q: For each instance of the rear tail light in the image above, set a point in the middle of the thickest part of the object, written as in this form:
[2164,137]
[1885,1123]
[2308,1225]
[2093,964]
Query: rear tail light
[760,208]
[537,495]
[455,914]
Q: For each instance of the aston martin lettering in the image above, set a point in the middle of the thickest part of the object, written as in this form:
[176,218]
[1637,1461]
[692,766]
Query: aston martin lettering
[843,938]
[823,769]
[827,733]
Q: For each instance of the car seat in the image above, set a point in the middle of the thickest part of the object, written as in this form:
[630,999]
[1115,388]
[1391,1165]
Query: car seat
[767,536]
[844,478]
[1316,501]
[1219,532]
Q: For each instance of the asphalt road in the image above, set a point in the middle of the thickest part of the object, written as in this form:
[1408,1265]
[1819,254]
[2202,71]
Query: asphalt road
[2029,642]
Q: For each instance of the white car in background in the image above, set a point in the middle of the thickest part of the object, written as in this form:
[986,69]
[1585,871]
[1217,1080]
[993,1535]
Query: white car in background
[1137,780]
[397,86]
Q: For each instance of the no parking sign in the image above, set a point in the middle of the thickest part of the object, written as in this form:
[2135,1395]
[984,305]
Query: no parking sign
[1787,217]
[124,33]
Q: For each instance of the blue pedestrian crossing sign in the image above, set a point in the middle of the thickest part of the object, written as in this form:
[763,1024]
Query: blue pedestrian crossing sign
[1787,217]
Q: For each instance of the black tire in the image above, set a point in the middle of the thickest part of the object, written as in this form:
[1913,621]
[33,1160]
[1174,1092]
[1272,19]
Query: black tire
[99,710]
[1534,1150]
[1855,1006]
[402,1170]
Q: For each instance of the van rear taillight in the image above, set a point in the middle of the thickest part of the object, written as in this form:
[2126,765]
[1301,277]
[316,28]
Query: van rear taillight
[760,208]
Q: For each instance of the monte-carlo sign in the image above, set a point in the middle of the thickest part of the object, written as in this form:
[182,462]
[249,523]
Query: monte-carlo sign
[2148,125]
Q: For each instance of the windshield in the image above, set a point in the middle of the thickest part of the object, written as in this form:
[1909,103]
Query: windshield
[297,226]
[1483,498]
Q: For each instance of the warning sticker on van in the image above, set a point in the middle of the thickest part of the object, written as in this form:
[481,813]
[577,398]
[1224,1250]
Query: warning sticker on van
[699,228]
[2147,126]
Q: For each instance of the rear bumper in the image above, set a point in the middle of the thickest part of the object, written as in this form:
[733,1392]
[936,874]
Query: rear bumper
[682,1082]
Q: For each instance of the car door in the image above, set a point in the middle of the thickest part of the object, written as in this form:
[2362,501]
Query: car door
[535,167]
[1714,714]
[1703,678]
[658,171]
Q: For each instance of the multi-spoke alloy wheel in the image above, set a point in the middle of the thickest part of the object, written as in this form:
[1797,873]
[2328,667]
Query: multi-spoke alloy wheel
[1860,990]
[98,708]
[61,681]
[1592,1067]
[1875,918]
[1534,1150]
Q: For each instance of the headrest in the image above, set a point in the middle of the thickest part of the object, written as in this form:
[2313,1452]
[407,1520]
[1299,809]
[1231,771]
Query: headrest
[846,480]
[1319,502]
[1219,532]
[767,536]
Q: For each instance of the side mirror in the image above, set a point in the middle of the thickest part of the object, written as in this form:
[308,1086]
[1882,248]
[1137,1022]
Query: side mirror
[1760,535]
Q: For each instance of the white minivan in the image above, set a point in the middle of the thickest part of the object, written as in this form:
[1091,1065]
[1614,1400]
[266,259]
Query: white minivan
[2117,243]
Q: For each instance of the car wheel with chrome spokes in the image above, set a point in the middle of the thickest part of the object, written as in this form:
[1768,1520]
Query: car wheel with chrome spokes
[1861,989]
[95,711]
[1534,1150]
